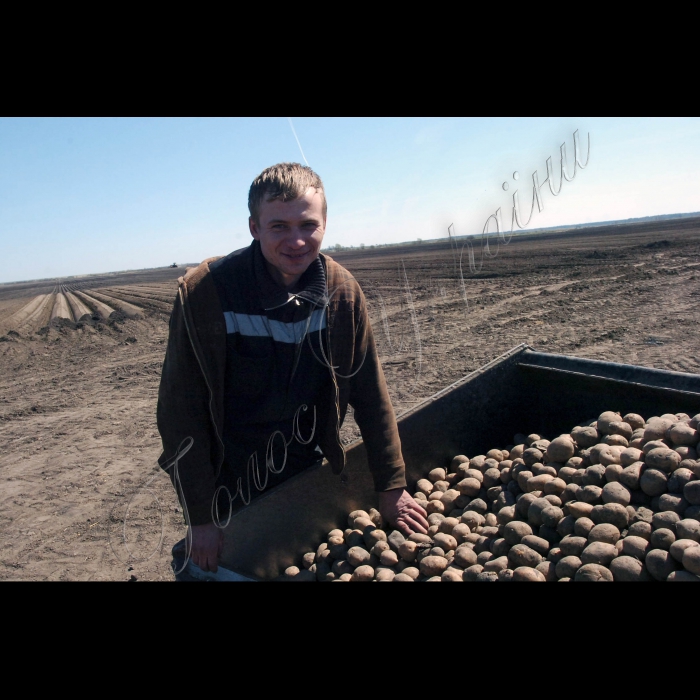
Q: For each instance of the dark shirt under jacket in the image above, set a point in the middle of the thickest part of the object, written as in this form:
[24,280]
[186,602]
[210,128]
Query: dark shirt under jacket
[274,365]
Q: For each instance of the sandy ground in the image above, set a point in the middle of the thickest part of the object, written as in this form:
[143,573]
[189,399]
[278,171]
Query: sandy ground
[77,401]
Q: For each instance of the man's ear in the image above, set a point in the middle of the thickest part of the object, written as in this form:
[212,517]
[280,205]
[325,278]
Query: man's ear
[254,230]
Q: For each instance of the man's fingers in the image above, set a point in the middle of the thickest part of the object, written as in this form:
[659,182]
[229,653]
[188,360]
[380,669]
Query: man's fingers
[405,529]
[415,524]
[419,517]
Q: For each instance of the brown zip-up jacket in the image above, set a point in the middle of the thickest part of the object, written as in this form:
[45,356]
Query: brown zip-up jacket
[191,394]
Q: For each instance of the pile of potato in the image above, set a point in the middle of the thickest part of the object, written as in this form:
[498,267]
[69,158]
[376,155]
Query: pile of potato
[618,499]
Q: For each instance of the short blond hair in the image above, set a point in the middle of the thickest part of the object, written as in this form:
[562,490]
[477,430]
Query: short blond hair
[284,181]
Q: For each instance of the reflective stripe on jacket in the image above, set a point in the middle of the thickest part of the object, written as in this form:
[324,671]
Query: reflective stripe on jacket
[191,396]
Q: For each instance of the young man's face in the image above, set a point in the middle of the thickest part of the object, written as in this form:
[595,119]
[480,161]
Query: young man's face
[290,235]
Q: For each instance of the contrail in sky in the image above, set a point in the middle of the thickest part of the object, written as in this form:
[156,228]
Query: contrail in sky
[297,138]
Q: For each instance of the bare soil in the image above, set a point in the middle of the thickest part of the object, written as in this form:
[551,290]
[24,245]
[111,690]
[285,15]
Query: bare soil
[77,400]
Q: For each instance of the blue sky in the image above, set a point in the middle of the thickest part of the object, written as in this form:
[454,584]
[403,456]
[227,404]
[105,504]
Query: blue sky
[88,195]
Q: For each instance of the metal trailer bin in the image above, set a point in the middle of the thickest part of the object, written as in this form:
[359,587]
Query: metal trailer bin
[521,391]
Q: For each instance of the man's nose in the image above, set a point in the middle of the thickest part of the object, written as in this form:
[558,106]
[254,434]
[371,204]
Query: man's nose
[297,238]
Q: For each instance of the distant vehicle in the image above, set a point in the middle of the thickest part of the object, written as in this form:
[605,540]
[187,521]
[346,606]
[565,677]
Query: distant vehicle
[174,265]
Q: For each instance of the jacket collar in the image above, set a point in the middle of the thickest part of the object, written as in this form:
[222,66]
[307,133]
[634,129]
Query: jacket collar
[312,285]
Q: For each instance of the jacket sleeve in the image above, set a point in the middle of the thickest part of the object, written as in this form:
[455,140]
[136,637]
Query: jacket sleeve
[374,413]
[184,412]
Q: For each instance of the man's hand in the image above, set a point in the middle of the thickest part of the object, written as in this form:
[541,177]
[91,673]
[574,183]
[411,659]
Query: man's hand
[207,542]
[400,509]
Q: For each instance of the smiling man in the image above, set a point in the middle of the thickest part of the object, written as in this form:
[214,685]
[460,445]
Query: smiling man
[267,348]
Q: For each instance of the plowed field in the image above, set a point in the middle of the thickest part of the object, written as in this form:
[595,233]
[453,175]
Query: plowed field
[78,396]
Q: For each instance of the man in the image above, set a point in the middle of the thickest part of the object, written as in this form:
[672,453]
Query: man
[267,347]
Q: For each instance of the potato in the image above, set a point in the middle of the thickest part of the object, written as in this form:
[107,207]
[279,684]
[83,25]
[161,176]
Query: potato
[514,531]
[594,475]
[540,545]
[341,567]
[371,537]
[492,477]
[582,527]
[599,553]
[621,429]
[652,445]
[616,440]
[660,564]
[532,456]
[357,556]
[477,462]
[585,436]
[524,573]
[425,486]
[560,449]
[496,564]
[605,419]
[458,461]
[465,556]
[691,560]
[591,494]
[444,541]
[672,502]
[572,545]
[477,505]
[521,555]
[610,454]
[634,420]
[363,573]
[451,575]
[653,482]
[567,567]
[403,578]
[612,473]
[434,506]
[615,492]
[469,487]
[666,520]
[687,452]
[605,532]
[381,546]
[471,573]
[640,529]
[384,574]
[629,456]
[579,509]
[678,480]
[628,568]
[437,474]
[682,434]
[691,492]
[356,514]
[662,458]
[534,512]
[337,547]
[662,538]
[551,516]
[688,529]
[656,428]
[630,475]
[593,572]
[682,576]
[472,519]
